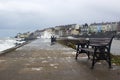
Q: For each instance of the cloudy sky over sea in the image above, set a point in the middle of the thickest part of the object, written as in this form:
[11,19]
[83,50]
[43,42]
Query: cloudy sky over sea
[29,15]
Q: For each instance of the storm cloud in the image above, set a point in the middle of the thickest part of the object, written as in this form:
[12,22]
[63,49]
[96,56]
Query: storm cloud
[29,15]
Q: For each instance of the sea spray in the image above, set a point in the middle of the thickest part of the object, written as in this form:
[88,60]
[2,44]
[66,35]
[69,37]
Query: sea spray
[6,43]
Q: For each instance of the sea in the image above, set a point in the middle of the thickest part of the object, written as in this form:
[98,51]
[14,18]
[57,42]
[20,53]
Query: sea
[8,42]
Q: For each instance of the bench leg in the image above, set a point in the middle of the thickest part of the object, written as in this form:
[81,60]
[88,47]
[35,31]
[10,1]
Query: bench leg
[88,54]
[110,64]
[93,62]
[109,60]
[77,53]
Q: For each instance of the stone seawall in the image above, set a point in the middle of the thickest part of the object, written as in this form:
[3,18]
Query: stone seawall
[115,48]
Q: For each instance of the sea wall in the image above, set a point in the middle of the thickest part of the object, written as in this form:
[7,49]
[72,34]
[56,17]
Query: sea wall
[115,47]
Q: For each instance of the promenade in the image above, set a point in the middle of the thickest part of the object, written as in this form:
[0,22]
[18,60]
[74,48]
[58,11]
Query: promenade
[39,60]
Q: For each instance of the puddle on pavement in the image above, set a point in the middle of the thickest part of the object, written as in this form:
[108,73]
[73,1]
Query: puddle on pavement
[33,69]
[45,61]
[37,69]
[2,61]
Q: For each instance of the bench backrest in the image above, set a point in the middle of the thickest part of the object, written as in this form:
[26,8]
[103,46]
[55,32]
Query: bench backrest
[105,41]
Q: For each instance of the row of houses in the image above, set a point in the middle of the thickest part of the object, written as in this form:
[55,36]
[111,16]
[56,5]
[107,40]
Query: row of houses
[26,36]
[62,30]
[101,27]
[75,29]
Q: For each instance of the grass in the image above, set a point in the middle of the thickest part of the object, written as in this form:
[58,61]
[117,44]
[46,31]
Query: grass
[71,43]
[116,59]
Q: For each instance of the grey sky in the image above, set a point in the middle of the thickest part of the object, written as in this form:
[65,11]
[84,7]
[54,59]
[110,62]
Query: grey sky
[29,15]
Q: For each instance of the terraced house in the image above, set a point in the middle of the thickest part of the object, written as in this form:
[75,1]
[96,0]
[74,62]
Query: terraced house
[66,30]
[103,27]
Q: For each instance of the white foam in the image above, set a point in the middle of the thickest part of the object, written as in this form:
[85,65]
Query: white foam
[7,43]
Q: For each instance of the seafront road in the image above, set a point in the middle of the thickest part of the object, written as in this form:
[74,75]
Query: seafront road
[39,60]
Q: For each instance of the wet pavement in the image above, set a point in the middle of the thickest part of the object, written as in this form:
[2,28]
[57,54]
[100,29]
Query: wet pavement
[39,60]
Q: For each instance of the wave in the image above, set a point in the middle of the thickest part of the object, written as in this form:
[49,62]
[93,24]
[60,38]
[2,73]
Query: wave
[6,43]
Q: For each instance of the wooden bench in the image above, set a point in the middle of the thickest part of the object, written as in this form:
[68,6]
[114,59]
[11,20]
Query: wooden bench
[98,48]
